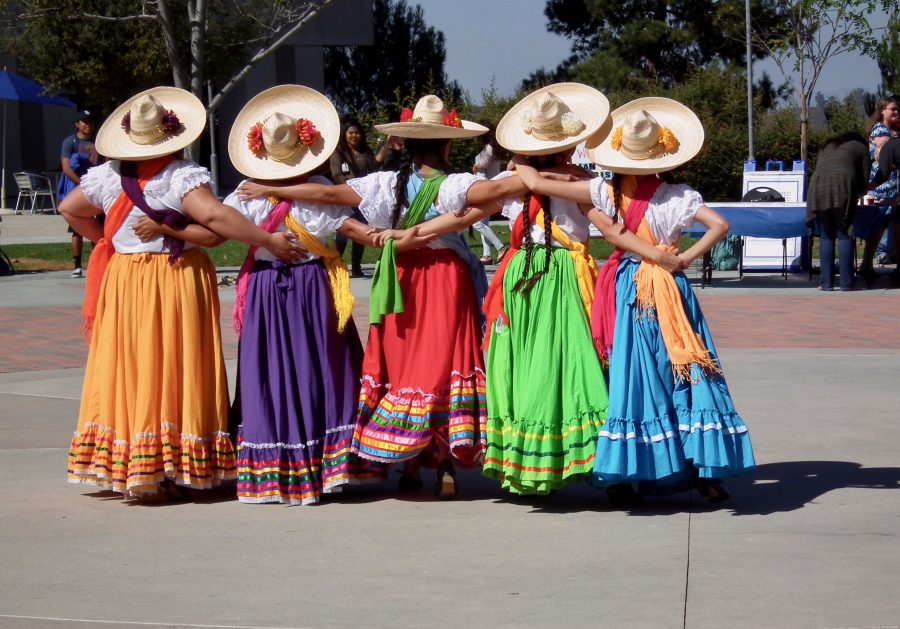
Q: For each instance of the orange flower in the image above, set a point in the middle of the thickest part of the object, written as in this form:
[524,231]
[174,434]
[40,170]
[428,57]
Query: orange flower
[668,140]
[616,140]
[452,120]
[254,139]
[307,132]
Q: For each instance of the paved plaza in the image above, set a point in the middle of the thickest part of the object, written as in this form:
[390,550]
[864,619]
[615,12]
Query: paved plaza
[812,539]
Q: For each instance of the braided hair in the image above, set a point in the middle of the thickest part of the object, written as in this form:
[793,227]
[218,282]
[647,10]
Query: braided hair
[413,152]
[526,282]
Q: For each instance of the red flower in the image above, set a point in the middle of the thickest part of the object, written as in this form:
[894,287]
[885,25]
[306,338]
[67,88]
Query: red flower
[307,132]
[254,139]
[406,115]
[126,121]
[452,120]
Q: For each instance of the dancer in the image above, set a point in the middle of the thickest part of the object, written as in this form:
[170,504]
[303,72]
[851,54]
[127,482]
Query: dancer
[299,355]
[154,404]
[671,419]
[423,373]
[545,388]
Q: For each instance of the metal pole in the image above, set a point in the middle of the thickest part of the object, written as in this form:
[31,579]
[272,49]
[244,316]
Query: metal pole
[749,85]
[213,157]
[3,185]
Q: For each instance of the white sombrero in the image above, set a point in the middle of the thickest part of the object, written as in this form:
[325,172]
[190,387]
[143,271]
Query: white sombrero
[553,119]
[156,122]
[430,120]
[283,132]
[650,135]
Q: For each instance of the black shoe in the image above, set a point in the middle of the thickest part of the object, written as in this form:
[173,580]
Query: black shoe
[622,495]
[711,490]
[409,483]
[357,273]
[895,278]
[868,276]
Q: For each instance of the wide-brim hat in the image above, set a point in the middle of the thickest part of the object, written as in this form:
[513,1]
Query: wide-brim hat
[294,101]
[428,122]
[114,142]
[584,108]
[679,120]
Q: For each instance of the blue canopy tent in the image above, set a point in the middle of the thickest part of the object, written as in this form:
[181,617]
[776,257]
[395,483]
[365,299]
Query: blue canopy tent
[16,88]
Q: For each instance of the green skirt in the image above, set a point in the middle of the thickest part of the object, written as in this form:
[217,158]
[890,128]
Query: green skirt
[546,394]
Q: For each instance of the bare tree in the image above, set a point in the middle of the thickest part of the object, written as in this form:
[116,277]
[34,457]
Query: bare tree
[808,35]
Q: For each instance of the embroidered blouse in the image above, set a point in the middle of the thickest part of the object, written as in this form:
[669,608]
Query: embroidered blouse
[102,184]
[319,220]
[566,214]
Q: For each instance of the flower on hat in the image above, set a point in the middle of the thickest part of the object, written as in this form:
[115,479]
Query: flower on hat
[406,115]
[667,140]
[571,124]
[615,140]
[255,140]
[452,120]
[169,122]
[307,132]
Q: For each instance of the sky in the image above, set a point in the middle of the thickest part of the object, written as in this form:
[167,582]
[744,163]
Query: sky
[506,40]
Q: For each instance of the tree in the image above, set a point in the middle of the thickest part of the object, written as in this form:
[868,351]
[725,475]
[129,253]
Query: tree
[888,55]
[77,47]
[407,56]
[661,40]
[807,35]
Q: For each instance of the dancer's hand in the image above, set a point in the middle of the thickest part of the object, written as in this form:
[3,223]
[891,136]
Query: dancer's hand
[412,240]
[253,190]
[381,236]
[671,262]
[146,229]
[283,246]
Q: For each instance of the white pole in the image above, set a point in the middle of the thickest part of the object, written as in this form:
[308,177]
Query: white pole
[3,185]
[213,157]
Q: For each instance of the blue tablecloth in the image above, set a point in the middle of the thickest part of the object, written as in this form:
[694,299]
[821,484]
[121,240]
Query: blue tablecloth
[781,220]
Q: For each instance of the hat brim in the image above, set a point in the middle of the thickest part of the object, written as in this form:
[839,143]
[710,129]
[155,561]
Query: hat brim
[431,131]
[296,101]
[683,123]
[589,104]
[114,143]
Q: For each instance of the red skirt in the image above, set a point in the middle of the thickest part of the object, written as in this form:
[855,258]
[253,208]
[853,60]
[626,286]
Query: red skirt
[423,371]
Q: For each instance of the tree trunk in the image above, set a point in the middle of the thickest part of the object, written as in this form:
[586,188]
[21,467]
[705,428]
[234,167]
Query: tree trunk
[196,10]
[165,21]
[804,125]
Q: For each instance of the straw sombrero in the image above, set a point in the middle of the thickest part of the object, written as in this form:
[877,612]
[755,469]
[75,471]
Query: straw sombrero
[159,121]
[430,120]
[650,135]
[283,132]
[553,119]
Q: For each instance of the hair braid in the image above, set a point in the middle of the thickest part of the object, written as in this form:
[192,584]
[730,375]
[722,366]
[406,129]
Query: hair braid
[400,201]
[617,196]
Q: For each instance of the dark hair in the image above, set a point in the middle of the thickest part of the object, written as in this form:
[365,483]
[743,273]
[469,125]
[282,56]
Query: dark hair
[491,136]
[413,152]
[850,136]
[876,116]
[343,149]
[527,282]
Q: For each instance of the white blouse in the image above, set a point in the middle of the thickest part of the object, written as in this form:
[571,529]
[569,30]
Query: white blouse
[319,220]
[566,214]
[378,196]
[672,208]
[102,184]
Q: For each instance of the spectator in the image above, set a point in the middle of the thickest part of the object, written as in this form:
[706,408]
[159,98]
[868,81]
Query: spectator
[888,165]
[837,184]
[353,158]
[390,153]
[77,155]
[487,162]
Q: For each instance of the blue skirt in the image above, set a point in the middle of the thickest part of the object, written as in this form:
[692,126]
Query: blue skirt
[662,430]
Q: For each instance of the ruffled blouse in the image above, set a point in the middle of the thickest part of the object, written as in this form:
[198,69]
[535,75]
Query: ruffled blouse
[378,197]
[102,184]
[319,220]
[672,208]
[566,214]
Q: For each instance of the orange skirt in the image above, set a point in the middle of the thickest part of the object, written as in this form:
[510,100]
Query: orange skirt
[155,398]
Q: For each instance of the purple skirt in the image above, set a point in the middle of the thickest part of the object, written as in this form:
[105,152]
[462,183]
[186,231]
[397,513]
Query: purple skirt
[297,387]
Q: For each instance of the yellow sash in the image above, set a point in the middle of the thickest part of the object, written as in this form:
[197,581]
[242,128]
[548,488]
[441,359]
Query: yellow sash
[586,270]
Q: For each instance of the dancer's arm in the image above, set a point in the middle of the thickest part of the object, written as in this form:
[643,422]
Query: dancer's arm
[341,194]
[146,229]
[716,228]
[80,213]
[202,206]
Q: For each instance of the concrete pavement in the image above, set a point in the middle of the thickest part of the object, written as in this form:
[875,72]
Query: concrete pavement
[811,540]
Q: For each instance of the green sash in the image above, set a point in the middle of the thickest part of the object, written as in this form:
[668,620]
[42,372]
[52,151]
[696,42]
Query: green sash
[385,296]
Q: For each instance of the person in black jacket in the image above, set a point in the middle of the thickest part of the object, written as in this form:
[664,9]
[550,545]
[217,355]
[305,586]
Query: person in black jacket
[889,162]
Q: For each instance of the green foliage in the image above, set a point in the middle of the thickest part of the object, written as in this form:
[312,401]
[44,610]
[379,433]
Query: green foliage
[660,40]
[407,54]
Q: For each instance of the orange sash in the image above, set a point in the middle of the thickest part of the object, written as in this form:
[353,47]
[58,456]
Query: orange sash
[103,250]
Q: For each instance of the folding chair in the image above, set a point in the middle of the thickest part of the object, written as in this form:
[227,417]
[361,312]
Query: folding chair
[33,186]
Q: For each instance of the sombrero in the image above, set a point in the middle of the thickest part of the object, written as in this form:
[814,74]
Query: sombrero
[430,120]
